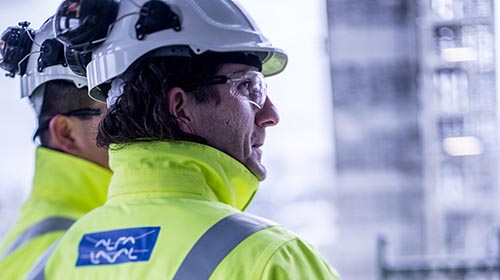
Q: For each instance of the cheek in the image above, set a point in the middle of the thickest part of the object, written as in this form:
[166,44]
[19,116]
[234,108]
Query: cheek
[243,116]
[240,125]
[235,136]
[227,120]
[227,127]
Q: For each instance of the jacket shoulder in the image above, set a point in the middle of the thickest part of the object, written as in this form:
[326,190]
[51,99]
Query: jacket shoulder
[275,253]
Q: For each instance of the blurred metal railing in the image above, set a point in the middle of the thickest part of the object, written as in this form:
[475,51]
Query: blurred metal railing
[424,267]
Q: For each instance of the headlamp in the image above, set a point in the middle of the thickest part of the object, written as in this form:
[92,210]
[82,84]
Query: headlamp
[15,46]
[83,24]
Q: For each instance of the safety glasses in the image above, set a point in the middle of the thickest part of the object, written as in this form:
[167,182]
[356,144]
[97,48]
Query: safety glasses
[249,86]
[74,113]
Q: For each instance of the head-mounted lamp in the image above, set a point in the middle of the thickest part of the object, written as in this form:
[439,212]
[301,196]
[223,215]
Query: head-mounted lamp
[83,24]
[15,46]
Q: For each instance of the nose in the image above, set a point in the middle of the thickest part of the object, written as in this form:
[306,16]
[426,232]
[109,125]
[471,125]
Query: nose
[268,115]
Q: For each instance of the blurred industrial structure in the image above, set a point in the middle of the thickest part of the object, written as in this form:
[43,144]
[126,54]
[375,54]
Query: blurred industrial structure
[416,132]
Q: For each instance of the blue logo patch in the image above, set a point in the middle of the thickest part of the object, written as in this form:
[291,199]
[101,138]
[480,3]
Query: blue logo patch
[117,246]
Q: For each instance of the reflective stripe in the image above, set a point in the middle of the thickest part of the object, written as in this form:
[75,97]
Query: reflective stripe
[37,272]
[216,243]
[43,227]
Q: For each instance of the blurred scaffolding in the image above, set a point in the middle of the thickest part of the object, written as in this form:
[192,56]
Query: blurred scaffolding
[416,131]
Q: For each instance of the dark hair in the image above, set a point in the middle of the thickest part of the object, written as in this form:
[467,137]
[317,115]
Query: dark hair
[61,96]
[140,113]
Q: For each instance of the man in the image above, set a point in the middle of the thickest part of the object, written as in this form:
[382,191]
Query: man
[71,172]
[186,121]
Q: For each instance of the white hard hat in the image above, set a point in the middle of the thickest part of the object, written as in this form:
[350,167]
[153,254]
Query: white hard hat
[142,26]
[45,63]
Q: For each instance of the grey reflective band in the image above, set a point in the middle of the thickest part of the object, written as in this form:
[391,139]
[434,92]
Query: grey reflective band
[37,272]
[216,243]
[45,226]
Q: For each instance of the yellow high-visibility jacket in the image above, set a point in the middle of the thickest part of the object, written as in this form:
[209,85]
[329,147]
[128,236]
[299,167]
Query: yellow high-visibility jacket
[174,212]
[64,189]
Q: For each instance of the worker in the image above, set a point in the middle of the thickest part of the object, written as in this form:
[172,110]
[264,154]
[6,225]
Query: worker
[188,109]
[71,172]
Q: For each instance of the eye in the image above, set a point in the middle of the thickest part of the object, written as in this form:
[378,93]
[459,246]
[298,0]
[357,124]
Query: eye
[244,87]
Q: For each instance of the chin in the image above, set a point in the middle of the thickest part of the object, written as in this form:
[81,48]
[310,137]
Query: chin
[258,170]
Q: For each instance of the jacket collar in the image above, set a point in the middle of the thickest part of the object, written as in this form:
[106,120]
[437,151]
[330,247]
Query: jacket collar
[68,180]
[177,168]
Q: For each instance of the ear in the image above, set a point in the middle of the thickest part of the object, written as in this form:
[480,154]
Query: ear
[179,107]
[62,135]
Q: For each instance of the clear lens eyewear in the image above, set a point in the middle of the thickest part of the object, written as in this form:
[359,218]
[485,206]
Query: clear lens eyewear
[81,113]
[248,85]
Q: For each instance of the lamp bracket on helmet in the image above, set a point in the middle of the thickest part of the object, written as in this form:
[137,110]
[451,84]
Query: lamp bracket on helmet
[52,53]
[77,61]
[155,16]
[15,46]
